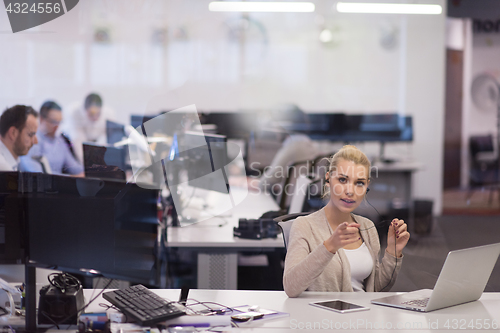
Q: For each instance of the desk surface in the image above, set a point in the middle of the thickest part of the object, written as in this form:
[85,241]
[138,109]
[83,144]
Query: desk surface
[218,231]
[469,316]
[473,316]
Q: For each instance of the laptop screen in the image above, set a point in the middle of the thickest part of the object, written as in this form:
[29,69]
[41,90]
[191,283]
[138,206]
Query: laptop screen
[104,161]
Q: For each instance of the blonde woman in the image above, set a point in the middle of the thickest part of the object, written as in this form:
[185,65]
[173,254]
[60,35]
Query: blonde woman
[336,250]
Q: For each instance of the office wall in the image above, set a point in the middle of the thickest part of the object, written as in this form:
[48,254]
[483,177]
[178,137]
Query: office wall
[483,49]
[424,98]
[133,51]
[221,61]
[485,60]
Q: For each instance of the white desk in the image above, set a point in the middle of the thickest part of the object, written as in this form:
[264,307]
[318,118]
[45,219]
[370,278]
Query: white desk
[467,316]
[217,248]
[302,315]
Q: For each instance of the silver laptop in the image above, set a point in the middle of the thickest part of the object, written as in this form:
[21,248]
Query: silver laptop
[462,279]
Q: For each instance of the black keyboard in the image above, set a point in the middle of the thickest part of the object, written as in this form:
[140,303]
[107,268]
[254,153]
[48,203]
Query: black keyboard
[143,305]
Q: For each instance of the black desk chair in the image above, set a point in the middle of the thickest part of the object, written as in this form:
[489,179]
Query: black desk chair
[483,172]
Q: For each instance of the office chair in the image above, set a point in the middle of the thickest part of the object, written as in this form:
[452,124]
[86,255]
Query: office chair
[294,171]
[44,164]
[285,223]
[484,171]
[320,166]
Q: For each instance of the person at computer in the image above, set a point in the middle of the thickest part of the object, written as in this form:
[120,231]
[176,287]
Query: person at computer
[18,127]
[51,146]
[336,250]
[295,148]
[87,123]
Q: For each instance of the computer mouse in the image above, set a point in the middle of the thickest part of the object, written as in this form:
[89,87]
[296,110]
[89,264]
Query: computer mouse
[254,308]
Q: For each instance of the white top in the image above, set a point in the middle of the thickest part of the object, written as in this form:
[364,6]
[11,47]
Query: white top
[7,161]
[361,263]
[81,129]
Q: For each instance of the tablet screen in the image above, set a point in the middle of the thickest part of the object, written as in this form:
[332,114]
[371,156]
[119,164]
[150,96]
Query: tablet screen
[338,305]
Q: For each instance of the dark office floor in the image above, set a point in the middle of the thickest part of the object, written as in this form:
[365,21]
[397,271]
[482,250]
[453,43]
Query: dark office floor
[480,201]
[425,255]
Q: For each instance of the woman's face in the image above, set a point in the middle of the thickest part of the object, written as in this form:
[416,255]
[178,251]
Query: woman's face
[348,184]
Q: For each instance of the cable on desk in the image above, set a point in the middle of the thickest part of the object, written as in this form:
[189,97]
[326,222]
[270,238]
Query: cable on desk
[214,311]
[107,307]
[85,306]
[47,316]
[63,281]
[3,311]
[8,329]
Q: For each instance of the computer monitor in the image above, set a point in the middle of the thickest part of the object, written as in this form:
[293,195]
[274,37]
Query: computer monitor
[389,127]
[197,161]
[11,237]
[207,153]
[234,125]
[115,132]
[104,161]
[112,232]
[138,120]
[168,125]
[383,127]
[89,226]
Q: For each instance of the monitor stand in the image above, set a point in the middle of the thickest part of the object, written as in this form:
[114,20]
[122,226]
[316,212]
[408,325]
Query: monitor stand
[30,297]
[381,157]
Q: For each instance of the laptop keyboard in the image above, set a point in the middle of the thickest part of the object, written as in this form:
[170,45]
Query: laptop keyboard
[418,302]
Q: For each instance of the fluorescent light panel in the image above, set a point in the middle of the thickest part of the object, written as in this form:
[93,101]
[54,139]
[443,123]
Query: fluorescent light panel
[388,8]
[275,7]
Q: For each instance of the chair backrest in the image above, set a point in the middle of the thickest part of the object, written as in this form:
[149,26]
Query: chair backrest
[479,144]
[294,171]
[285,223]
[483,161]
[321,165]
[300,192]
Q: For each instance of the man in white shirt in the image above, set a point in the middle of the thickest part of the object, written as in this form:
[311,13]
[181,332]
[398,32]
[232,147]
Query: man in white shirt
[18,126]
[296,148]
[87,123]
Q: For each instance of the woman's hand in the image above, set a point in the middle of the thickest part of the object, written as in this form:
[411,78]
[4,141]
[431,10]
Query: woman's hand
[345,234]
[397,237]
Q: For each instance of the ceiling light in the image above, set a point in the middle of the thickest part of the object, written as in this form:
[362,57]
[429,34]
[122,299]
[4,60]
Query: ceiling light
[230,6]
[325,36]
[388,8]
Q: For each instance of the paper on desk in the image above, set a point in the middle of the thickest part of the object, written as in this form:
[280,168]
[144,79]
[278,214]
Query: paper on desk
[246,308]
[187,320]
[130,328]
[268,314]
[199,321]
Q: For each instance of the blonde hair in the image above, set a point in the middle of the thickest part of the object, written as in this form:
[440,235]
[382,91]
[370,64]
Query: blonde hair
[348,153]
